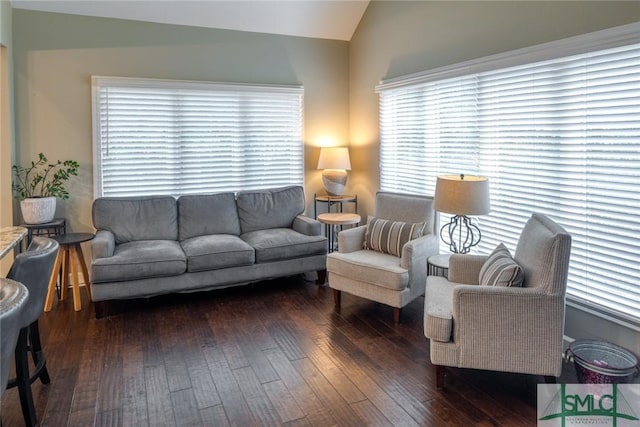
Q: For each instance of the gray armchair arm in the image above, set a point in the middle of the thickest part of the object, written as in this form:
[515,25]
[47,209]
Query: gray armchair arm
[351,239]
[305,225]
[103,245]
[465,268]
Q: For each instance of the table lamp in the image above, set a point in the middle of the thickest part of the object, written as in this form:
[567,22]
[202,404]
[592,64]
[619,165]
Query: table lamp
[335,163]
[461,195]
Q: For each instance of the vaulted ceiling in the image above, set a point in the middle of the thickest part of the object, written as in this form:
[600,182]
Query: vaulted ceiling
[326,19]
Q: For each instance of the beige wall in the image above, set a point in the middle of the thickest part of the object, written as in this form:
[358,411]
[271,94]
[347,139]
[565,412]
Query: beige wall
[6,125]
[396,38]
[55,56]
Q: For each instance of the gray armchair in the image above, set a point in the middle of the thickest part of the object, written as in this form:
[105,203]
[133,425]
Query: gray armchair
[394,280]
[508,329]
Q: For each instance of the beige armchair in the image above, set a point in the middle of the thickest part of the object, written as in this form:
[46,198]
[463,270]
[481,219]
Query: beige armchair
[508,329]
[391,279]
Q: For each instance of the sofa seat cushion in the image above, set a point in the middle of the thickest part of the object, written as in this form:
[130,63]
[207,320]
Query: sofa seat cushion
[283,243]
[438,309]
[372,267]
[140,259]
[216,251]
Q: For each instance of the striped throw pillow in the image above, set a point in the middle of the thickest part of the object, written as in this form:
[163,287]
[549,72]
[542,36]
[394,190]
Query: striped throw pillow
[500,269]
[388,236]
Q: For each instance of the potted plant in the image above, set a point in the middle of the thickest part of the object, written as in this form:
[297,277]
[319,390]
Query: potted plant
[38,185]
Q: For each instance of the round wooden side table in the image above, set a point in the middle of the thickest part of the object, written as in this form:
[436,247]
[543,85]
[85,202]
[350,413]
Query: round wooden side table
[69,255]
[333,220]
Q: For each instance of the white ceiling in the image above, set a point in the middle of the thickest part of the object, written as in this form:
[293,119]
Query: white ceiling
[326,19]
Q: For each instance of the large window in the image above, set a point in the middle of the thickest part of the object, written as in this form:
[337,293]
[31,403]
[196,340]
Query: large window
[176,137]
[559,136]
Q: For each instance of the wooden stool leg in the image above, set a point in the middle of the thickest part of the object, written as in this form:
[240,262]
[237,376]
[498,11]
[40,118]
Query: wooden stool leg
[64,286]
[52,282]
[77,303]
[85,271]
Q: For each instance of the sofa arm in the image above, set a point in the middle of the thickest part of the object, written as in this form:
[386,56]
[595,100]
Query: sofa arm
[465,268]
[305,225]
[351,239]
[103,244]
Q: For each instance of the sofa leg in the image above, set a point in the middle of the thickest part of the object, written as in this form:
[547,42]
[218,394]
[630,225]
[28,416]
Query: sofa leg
[396,315]
[337,296]
[439,376]
[322,277]
[102,309]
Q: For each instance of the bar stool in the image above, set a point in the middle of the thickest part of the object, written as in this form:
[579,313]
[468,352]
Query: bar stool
[70,256]
[33,269]
[13,299]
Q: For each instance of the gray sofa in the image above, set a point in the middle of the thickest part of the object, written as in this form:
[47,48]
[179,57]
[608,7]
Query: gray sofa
[148,246]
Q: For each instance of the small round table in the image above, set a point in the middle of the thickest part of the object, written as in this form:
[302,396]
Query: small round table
[331,220]
[70,254]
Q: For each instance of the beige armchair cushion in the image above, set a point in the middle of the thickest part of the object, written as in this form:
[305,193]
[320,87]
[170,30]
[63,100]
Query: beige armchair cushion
[372,267]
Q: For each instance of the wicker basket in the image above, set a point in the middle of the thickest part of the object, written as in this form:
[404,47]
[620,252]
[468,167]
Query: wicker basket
[599,362]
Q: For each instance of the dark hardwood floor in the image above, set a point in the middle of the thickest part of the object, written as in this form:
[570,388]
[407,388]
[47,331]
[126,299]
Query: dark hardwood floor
[275,353]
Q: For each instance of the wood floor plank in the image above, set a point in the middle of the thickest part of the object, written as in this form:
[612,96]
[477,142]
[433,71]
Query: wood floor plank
[159,406]
[185,408]
[370,414]
[307,400]
[214,416]
[261,407]
[282,401]
[326,393]
[134,393]
[233,401]
[85,395]
[277,353]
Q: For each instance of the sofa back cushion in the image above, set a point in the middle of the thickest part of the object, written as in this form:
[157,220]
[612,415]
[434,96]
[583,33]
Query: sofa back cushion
[203,215]
[264,209]
[137,218]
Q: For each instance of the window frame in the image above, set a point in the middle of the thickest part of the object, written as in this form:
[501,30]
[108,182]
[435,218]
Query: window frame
[98,82]
[583,44]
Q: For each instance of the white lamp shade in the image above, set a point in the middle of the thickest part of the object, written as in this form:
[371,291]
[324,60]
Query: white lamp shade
[334,158]
[462,195]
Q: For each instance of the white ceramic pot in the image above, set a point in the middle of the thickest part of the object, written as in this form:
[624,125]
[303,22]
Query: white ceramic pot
[38,210]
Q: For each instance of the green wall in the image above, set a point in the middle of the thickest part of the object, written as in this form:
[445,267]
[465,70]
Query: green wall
[55,56]
[396,38]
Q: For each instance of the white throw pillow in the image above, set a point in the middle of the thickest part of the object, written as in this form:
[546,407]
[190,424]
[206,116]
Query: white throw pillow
[500,269]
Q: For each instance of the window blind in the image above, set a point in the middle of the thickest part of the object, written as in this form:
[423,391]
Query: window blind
[176,137]
[559,137]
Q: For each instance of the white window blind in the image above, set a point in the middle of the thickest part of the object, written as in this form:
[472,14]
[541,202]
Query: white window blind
[559,137]
[177,137]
